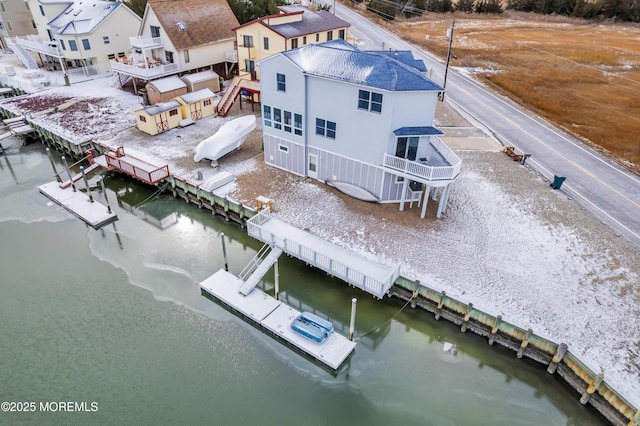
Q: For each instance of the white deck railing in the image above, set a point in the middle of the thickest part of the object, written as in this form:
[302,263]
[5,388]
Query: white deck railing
[424,171]
[141,42]
[232,56]
[142,71]
[327,263]
[32,42]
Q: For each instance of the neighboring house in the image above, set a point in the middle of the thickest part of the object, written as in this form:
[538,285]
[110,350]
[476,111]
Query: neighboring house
[360,121]
[15,20]
[78,34]
[180,36]
[295,26]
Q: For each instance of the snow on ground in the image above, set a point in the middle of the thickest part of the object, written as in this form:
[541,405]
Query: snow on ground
[507,242]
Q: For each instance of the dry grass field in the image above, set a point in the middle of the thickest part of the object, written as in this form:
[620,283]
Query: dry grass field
[581,75]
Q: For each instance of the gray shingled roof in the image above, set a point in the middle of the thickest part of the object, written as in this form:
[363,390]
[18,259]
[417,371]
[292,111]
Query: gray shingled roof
[312,22]
[341,61]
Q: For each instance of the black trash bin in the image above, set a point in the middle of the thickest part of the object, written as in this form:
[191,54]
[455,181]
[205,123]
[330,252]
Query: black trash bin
[557,181]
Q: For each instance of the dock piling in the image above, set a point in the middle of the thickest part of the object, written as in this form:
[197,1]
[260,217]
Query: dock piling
[53,165]
[553,365]
[105,194]
[224,253]
[66,166]
[86,184]
[352,324]
[276,279]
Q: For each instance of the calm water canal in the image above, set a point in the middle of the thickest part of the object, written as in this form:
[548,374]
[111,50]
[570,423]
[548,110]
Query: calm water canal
[115,317]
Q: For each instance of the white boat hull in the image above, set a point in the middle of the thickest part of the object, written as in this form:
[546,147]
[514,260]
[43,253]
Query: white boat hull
[230,136]
[355,191]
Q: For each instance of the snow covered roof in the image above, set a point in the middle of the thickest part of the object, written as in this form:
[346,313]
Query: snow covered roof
[309,23]
[167,84]
[417,131]
[82,17]
[200,76]
[157,109]
[196,96]
[404,56]
[340,61]
[201,21]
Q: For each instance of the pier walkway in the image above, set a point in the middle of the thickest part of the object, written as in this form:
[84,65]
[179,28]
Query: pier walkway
[339,262]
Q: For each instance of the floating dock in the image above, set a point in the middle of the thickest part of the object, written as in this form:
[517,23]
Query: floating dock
[78,203]
[275,317]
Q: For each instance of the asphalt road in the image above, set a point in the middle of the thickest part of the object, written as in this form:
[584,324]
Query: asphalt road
[609,191]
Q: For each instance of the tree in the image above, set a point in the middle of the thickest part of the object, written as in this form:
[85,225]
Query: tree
[137,6]
[465,6]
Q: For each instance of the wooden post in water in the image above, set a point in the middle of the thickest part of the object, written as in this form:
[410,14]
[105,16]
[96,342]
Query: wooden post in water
[277,280]
[224,253]
[105,194]
[352,324]
[86,184]
[586,396]
[494,329]
[553,365]
[440,303]
[66,166]
[524,343]
[467,315]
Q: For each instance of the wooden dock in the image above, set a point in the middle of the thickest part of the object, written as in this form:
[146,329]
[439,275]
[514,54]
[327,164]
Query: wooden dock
[275,317]
[78,203]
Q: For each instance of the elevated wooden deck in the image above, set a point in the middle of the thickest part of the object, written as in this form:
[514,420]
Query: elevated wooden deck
[337,261]
[139,169]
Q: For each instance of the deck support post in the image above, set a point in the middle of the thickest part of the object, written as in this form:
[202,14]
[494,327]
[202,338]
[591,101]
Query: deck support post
[443,201]
[224,252]
[66,166]
[277,280]
[425,201]
[352,323]
[405,183]
[553,365]
[105,194]
[86,184]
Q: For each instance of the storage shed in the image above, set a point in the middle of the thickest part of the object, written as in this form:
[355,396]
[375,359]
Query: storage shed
[202,80]
[197,105]
[158,118]
[165,89]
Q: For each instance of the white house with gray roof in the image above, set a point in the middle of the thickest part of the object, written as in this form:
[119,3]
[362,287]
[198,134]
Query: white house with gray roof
[360,121]
[78,34]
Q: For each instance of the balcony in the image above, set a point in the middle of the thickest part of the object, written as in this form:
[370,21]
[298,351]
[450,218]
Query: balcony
[440,164]
[143,71]
[35,43]
[140,42]
[232,57]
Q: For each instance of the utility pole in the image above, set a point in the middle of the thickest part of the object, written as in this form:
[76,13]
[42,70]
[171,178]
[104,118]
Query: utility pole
[446,68]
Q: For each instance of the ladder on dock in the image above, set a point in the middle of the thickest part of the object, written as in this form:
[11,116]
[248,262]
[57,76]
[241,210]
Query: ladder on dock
[258,267]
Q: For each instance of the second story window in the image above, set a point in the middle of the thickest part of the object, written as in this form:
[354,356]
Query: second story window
[266,115]
[370,101]
[73,46]
[247,41]
[85,44]
[62,44]
[325,128]
[186,57]
[281,82]
[287,121]
[329,35]
[155,31]
[105,39]
[266,43]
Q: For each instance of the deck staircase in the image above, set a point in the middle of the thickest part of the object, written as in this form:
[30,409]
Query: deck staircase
[229,97]
[258,267]
[22,54]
